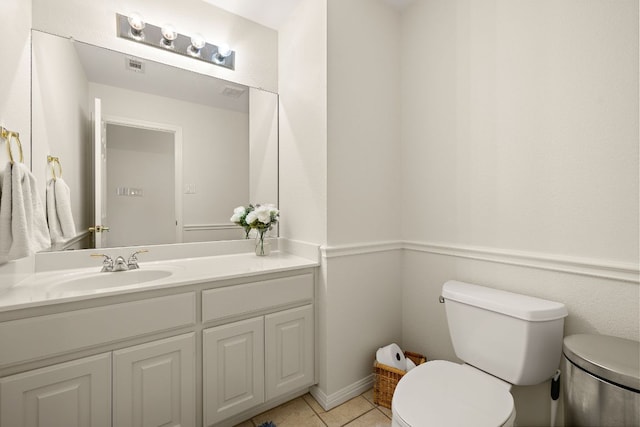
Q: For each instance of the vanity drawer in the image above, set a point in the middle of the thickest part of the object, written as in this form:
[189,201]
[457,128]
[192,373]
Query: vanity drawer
[42,336]
[243,299]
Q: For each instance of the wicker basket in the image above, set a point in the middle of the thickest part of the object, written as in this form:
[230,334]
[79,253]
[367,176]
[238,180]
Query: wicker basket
[386,379]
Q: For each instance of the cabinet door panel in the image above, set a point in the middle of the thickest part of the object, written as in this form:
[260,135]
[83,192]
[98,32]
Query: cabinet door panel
[233,359]
[154,383]
[289,350]
[76,393]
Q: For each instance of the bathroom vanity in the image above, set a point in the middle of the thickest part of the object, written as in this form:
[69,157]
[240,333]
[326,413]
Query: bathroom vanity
[215,340]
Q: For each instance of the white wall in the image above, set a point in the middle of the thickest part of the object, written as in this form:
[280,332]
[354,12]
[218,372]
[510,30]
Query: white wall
[15,76]
[94,22]
[61,121]
[302,81]
[363,148]
[15,113]
[362,298]
[521,125]
[263,147]
[339,173]
[215,151]
[520,163]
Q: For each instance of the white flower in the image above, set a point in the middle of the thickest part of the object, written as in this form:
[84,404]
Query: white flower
[251,217]
[261,216]
[237,214]
[263,213]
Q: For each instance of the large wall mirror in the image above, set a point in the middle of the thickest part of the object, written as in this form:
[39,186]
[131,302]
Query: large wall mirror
[176,151]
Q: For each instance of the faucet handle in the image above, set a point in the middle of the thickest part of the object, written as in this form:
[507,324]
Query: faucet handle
[107,262]
[132,263]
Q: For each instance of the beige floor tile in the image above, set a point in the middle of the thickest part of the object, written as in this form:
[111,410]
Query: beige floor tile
[311,401]
[247,423]
[368,395]
[373,418]
[295,413]
[346,412]
[385,411]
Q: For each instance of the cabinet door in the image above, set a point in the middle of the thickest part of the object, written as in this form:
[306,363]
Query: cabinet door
[233,369]
[154,383]
[71,394]
[289,350]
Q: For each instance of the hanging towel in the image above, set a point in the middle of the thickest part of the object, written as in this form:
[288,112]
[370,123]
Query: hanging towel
[59,216]
[21,211]
[5,214]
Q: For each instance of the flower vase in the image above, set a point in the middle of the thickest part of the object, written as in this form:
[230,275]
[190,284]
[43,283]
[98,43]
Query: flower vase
[247,230]
[262,248]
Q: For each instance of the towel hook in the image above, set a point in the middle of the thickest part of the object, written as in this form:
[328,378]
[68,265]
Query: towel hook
[9,136]
[53,161]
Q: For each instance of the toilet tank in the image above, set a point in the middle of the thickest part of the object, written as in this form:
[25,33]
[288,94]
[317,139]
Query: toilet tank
[514,337]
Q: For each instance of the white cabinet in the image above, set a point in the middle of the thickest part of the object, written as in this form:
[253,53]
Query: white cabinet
[71,394]
[289,350]
[249,362]
[154,383]
[233,369]
[257,346]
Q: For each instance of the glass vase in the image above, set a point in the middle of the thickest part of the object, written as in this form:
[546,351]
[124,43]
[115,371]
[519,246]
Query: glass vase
[247,230]
[262,248]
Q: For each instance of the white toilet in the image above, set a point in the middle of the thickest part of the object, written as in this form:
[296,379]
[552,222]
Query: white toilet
[504,339]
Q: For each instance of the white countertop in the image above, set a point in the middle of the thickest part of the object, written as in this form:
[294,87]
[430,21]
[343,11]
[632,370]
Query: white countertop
[37,289]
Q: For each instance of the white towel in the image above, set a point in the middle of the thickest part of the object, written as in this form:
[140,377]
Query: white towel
[23,225]
[59,216]
[5,214]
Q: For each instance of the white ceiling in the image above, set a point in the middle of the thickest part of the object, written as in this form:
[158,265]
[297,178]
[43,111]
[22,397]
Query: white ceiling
[273,13]
[108,67]
[270,13]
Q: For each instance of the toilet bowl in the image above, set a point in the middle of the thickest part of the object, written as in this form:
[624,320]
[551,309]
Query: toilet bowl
[504,339]
[442,393]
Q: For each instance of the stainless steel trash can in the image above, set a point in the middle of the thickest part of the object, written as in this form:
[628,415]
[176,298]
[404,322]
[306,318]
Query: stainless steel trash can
[601,384]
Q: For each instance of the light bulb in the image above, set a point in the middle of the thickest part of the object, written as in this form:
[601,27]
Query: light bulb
[169,34]
[136,24]
[197,43]
[224,50]
[222,53]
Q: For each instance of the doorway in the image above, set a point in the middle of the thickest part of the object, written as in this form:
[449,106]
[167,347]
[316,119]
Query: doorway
[142,197]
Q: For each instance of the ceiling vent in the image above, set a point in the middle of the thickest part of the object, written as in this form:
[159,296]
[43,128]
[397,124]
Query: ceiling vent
[232,91]
[133,64]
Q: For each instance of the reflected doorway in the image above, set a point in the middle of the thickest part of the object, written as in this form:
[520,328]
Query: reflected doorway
[142,179]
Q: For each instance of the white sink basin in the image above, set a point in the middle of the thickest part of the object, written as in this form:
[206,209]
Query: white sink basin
[105,280]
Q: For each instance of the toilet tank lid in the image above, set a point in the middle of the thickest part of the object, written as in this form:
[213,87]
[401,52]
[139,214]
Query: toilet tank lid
[511,304]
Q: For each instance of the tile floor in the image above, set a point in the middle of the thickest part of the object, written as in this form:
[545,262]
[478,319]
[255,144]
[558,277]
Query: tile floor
[304,411]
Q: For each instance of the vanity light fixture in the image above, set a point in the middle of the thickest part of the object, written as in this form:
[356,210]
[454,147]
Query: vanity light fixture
[134,28]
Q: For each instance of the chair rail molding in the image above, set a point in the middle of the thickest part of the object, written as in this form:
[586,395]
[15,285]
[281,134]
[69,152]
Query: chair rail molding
[601,268]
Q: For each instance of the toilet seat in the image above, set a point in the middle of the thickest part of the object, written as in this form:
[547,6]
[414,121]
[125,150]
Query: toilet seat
[442,393]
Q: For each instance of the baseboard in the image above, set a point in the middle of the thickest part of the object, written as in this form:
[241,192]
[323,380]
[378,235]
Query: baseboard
[329,402]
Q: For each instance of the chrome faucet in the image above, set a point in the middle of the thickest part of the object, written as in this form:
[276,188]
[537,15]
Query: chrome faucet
[107,262]
[132,263]
[119,264]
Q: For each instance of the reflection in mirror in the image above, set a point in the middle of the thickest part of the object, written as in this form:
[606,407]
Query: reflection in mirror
[176,151]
